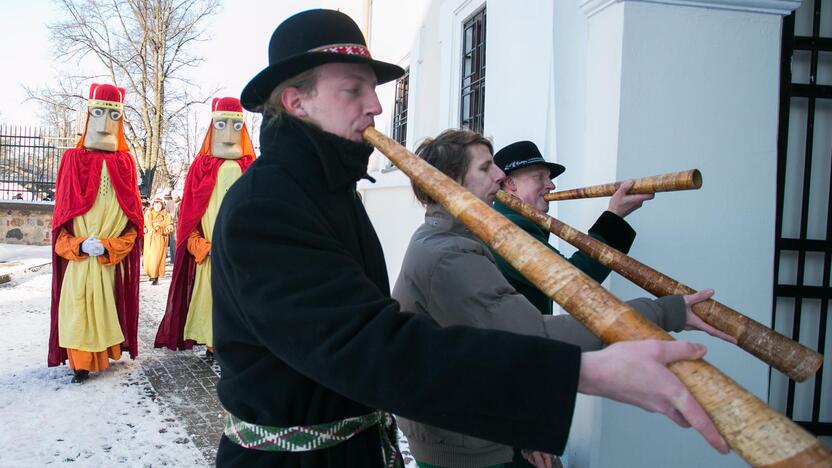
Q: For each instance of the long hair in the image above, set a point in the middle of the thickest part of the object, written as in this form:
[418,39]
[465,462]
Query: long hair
[447,152]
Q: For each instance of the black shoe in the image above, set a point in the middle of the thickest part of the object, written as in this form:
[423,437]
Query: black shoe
[154,281]
[80,376]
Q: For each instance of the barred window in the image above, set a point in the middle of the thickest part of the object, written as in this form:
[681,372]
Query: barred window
[400,109]
[472,93]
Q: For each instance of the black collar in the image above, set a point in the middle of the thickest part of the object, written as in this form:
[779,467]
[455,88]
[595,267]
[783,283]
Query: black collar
[295,144]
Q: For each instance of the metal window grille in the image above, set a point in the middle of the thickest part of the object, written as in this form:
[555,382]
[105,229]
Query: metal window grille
[400,109]
[29,159]
[803,223]
[472,93]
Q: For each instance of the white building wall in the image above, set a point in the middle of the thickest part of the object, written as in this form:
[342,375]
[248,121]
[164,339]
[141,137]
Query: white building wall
[698,89]
[638,89]
[396,34]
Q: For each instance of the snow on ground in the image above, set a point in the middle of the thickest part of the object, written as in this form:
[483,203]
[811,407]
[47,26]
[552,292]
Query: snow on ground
[112,419]
[115,418]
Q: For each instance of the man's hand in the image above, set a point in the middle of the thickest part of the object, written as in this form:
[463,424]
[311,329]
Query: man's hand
[92,247]
[537,459]
[623,204]
[635,372]
[694,322]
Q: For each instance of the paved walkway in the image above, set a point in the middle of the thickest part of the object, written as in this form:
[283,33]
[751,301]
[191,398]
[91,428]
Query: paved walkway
[184,381]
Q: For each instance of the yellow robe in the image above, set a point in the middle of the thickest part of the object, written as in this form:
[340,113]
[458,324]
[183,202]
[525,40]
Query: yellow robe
[157,226]
[87,313]
[198,323]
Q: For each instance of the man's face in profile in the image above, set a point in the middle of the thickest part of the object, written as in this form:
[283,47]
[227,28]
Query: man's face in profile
[344,101]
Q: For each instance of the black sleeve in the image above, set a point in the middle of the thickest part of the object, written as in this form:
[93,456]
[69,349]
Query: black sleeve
[309,302]
[613,231]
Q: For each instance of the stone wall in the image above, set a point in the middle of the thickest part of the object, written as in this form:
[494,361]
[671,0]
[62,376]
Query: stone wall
[25,223]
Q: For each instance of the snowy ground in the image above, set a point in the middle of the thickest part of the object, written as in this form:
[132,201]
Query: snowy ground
[117,417]
[112,419]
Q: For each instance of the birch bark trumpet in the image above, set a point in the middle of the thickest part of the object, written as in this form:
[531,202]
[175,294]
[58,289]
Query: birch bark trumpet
[685,180]
[761,436]
[776,350]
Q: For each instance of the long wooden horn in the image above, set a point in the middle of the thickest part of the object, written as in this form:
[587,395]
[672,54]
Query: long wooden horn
[780,352]
[760,435]
[685,180]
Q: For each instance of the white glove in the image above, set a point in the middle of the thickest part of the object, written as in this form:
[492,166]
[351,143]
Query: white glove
[92,247]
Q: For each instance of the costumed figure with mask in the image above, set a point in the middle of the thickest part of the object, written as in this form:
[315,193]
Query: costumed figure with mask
[158,224]
[225,154]
[95,228]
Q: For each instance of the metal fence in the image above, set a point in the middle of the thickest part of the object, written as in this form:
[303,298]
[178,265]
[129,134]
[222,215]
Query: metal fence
[29,159]
[803,239]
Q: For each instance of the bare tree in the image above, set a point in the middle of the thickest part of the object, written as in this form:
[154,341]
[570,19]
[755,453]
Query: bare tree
[60,104]
[144,46]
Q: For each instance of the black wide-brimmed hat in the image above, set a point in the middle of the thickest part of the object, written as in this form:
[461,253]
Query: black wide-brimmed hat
[309,39]
[524,154]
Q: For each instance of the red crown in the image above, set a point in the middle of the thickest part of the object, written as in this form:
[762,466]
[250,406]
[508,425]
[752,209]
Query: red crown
[107,92]
[227,104]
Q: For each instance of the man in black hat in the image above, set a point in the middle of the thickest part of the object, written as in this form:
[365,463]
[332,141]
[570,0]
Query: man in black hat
[313,350]
[530,177]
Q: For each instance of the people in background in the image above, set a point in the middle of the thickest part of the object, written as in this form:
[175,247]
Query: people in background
[158,225]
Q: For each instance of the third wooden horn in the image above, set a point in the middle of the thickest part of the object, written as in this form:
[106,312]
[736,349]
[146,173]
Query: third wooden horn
[780,352]
[758,434]
[685,180]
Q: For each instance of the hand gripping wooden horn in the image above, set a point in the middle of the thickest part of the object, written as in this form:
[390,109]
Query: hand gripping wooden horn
[685,180]
[780,352]
[758,434]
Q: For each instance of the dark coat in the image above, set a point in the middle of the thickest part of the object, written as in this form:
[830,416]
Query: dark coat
[305,330]
[610,229]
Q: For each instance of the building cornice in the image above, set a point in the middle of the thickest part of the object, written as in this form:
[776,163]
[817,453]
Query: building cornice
[771,7]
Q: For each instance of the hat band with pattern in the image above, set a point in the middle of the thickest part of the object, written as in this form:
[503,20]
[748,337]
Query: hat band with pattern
[220,115]
[525,162]
[106,104]
[344,49]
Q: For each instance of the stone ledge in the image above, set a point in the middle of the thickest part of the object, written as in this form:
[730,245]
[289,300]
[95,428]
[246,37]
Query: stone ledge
[6,205]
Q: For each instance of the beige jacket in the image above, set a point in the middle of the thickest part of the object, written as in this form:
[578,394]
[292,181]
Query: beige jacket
[451,276]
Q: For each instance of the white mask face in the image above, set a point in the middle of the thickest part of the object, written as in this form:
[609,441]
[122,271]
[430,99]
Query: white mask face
[157,207]
[226,139]
[102,129]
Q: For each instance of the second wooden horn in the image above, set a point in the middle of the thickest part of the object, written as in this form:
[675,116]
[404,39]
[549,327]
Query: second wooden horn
[780,352]
[760,435]
[685,180]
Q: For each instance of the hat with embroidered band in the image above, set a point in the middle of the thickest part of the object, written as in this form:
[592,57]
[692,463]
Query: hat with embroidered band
[524,154]
[309,39]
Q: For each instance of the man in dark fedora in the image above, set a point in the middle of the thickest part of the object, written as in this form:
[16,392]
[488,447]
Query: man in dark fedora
[530,177]
[314,353]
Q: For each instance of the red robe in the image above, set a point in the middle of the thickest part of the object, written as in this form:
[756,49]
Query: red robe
[199,184]
[77,186]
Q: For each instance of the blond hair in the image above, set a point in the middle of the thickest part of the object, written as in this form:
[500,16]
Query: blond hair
[305,83]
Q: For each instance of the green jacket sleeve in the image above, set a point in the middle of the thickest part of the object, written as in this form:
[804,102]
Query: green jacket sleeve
[609,229]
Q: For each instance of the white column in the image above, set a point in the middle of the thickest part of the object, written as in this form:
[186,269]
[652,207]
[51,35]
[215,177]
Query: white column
[672,86]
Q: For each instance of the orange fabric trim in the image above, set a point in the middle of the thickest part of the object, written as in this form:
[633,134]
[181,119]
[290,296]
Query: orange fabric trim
[198,246]
[69,247]
[94,361]
[117,247]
